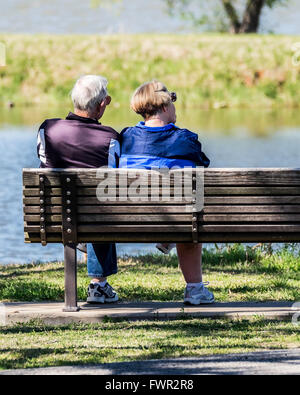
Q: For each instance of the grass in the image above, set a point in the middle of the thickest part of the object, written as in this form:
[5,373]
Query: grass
[36,345]
[207,70]
[235,272]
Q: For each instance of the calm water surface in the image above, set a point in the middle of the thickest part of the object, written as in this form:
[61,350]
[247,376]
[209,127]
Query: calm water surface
[230,139]
[129,16]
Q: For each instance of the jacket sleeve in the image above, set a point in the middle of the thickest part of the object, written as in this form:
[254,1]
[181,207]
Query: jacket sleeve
[199,156]
[203,159]
[114,153]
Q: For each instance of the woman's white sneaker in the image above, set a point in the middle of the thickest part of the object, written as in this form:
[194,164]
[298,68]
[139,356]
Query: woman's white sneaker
[198,295]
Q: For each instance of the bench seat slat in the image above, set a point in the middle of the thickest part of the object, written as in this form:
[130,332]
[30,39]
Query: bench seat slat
[126,237]
[90,177]
[251,217]
[254,200]
[279,209]
[208,237]
[250,228]
[212,176]
[251,191]
[208,200]
[209,191]
[165,218]
[172,228]
[94,201]
[280,177]
[96,218]
[169,209]
[57,192]
[115,210]
[114,228]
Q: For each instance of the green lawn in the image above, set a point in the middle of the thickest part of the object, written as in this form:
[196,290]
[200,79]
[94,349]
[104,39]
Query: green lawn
[236,273]
[35,345]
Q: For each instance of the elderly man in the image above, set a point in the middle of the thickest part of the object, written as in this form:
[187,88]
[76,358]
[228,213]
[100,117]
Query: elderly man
[81,141]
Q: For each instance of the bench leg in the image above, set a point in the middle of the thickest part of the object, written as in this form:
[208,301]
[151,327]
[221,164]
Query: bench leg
[70,253]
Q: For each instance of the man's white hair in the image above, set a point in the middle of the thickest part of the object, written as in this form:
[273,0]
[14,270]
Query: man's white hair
[88,92]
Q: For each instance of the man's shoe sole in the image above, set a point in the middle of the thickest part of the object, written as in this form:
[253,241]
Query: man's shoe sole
[95,300]
[111,300]
[196,303]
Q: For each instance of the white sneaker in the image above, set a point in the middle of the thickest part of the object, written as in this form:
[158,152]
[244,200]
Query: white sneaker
[98,294]
[165,248]
[198,295]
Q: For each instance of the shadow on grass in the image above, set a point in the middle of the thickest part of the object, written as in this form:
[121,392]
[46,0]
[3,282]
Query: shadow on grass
[183,326]
[235,335]
[27,273]
[26,356]
[30,269]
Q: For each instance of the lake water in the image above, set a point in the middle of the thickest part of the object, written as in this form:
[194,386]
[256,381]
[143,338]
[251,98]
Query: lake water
[231,138]
[129,16]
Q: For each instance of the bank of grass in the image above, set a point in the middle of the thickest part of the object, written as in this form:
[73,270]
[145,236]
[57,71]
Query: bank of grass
[235,272]
[207,70]
[35,345]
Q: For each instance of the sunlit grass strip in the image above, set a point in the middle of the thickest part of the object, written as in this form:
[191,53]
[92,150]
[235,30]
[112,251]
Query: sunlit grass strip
[36,345]
[235,273]
[207,70]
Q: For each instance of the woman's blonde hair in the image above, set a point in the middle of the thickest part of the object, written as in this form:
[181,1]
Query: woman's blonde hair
[150,98]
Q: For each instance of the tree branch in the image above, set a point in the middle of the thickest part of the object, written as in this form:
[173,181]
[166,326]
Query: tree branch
[232,15]
[251,16]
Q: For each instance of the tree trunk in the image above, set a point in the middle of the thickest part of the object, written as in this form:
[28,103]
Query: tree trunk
[235,24]
[251,17]
[250,22]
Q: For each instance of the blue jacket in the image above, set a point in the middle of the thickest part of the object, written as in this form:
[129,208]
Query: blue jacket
[156,147]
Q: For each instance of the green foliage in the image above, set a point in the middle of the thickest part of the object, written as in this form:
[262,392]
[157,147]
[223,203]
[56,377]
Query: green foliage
[271,90]
[212,14]
[207,71]
[272,3]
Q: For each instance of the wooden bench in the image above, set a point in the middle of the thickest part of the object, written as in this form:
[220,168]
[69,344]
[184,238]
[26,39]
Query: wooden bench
[211,205]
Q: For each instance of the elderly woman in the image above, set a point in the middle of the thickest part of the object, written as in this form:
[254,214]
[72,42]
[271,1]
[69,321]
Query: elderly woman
[156,143]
